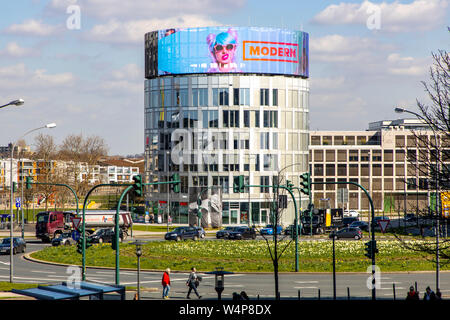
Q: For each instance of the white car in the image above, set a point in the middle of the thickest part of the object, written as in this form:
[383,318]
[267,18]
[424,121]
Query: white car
[351,213]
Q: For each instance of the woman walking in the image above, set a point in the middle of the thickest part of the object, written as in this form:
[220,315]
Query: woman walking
[166,284]
[192,283]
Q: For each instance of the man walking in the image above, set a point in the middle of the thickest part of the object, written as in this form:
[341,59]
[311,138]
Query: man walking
[192,283]
[166,284]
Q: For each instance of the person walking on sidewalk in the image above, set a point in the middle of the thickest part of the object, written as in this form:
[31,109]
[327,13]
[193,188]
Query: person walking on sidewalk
[192,283]
[166,284]
[412,294]
[429,295]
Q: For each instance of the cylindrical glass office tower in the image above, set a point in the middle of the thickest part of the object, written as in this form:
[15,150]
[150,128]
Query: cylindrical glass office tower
[222,102]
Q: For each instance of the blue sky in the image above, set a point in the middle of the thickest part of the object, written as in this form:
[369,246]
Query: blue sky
[90,80]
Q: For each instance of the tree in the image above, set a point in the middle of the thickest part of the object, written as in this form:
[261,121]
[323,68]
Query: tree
[80,155]
[433,152]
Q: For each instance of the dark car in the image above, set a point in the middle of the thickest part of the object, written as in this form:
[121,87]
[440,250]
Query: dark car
[201,232]
[360,224]
[349,232]
[348,221]
[291,228]
[64,239]
[182,233]
[242,233]
[105,235]
[223,234]
[19,245]
[409,217]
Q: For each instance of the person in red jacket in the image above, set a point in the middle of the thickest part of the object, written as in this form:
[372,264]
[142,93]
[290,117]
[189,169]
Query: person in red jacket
[166,284]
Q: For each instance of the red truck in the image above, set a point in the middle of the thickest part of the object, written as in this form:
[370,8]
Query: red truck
[50,224]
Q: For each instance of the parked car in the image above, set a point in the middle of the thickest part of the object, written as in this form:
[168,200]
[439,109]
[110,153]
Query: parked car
[351,213]
[242,233]
[64,239]
[19,245]
[223,234]
[182,233]
[268,230]
[201,232]
[105,235]
[354,233]
[348,221]
[364,226]
[409,217]
[291,228]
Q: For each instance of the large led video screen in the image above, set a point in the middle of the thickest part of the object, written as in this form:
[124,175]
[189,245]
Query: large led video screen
[231,50]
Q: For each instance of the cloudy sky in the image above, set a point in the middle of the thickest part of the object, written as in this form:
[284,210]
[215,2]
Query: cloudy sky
[80,63]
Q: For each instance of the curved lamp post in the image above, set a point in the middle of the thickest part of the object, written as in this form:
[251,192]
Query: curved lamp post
[11,242]
[17,103]
[438,209]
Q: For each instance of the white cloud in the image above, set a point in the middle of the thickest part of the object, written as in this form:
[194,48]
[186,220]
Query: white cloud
[115,31]
[32,27]
[139,10]
[14,50]
[394,17]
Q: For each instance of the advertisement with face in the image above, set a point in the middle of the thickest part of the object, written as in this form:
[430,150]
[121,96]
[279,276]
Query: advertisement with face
[233,50]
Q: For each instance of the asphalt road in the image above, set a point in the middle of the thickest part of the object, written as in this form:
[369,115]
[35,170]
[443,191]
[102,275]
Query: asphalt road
[255,285]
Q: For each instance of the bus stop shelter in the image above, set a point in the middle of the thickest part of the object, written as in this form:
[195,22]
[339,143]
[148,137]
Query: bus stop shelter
[72,291]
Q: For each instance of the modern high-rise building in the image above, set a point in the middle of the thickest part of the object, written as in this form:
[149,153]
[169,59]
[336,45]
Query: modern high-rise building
[221,102]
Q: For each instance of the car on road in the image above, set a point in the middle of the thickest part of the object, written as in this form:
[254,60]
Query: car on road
[364,226]
[201,232]
[348,221]
[182,233]
[19,245]
[105,235]
[64,239]
[291,228]
[349,232]
[223,234]
[409,217]
[268,230]
[242,233]
[351,213]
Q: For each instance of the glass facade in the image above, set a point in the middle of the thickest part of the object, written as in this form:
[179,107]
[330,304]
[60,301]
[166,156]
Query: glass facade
[212,128]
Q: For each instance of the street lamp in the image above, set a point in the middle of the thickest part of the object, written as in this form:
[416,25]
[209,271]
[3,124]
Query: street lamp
[11,242]
[17,103]
[438,210]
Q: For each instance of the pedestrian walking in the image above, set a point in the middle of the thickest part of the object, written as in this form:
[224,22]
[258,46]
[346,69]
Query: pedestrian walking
[193,282]
[429,295]
[412,294]
[166,284]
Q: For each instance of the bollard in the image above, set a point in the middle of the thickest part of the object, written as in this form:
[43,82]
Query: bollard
[258,296]
[319,294]
[299,294]
[415,286]
[348,293]
[393,289]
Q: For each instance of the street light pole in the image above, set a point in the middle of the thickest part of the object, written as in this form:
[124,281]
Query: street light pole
[437,177]
[11,225]
[17,103]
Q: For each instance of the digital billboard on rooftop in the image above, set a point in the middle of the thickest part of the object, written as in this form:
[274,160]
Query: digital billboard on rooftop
[227,50]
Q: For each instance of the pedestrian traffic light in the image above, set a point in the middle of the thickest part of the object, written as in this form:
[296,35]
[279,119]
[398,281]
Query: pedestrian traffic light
[305,183]
[137,186]
[175,186]
[88,243]
[14,186]
[29,181]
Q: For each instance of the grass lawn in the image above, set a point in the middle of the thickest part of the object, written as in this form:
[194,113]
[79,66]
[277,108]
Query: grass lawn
[250,255]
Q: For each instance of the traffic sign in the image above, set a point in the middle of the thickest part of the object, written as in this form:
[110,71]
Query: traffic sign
[18,200]
[76,235]
[383,225]
[76,223]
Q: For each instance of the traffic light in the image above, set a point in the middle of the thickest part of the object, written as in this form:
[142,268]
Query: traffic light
[238,184]
[28,182]
[370,248]
[113,244]
[14,186]
[305,183]
[137,186]
[80,246]
[289,184]
[176,185]
[88,242]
